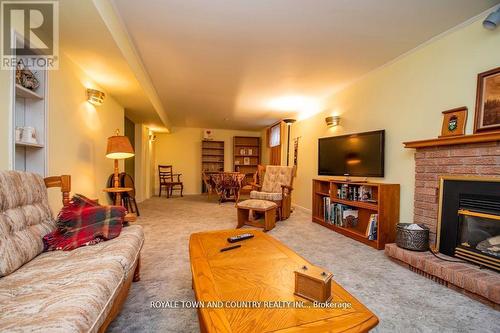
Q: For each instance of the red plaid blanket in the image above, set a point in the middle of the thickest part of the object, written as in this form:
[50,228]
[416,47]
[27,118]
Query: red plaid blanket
[84,222]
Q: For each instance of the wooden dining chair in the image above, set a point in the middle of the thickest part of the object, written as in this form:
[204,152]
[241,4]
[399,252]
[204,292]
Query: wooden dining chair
[169,180]
[207,180]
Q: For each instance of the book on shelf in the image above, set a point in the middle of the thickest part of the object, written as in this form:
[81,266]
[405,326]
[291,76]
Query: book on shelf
[350,217]
[355,193]
[366,193]
[371,228]
[326,208]
[338,214]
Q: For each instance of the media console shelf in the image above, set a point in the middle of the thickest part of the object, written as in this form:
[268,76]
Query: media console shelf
[384,202]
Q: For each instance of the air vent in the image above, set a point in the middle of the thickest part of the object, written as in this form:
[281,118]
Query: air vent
[484,204]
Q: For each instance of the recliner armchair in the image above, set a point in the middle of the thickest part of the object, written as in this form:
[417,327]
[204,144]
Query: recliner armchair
[274,183]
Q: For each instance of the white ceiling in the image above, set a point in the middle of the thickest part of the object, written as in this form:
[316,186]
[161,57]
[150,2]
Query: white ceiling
[246,63]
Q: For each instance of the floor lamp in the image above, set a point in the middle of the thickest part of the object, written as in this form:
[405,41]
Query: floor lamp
[288,123]
[119,148]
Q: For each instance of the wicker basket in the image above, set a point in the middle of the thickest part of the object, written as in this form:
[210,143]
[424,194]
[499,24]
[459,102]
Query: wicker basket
[416,240]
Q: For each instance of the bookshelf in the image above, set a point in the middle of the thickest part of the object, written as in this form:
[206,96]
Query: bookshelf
[212,158]
[30,111]
[384,201]
[246,156]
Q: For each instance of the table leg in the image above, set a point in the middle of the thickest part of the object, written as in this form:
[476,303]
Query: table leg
[242,217]
[269,219]
[118,199]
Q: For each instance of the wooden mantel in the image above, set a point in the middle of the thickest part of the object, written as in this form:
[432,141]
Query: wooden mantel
[454,140]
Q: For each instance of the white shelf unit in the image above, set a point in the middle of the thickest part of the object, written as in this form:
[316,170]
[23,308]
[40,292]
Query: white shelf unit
[30,109]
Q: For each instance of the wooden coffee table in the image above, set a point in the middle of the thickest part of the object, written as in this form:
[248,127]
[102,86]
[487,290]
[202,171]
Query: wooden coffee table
[262,270]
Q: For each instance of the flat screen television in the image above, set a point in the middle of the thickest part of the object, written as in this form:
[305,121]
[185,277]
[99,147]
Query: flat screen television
[360,154]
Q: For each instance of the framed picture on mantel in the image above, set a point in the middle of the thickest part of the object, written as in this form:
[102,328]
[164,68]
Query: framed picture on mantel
[487,116]
[454,121]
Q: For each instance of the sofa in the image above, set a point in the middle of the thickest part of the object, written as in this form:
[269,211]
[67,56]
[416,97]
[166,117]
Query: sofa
[60,291]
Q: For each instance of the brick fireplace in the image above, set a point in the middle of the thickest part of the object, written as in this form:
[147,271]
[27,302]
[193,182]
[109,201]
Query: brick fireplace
[476,159]
[472,156]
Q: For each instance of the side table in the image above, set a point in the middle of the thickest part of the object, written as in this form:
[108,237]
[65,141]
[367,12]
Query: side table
[130,217]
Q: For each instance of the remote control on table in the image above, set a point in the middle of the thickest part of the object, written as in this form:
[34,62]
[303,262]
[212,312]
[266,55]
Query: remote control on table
[239,238]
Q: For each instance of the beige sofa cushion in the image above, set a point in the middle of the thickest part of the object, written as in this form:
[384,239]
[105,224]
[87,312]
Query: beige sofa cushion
[68,291]
[266,196]
[25,217]
[276,176]
[257,204]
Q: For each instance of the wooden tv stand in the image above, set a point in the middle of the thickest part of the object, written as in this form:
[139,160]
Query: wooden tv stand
[386,206]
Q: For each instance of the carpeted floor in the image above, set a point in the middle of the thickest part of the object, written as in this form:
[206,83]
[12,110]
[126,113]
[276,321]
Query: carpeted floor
[402,300]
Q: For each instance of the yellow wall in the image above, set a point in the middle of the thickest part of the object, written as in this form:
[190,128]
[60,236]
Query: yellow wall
[78,132]
[406,99]
[5,120]
[144,163]
[182,149]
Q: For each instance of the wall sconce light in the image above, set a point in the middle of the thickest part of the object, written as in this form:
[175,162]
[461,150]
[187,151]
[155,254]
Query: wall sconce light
[152,137]
[95,97]
[332,121]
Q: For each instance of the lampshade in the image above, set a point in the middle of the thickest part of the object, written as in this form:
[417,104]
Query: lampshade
[119,147]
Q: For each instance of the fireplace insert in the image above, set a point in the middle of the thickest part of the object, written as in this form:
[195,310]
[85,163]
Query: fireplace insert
[469,225]
[479,238]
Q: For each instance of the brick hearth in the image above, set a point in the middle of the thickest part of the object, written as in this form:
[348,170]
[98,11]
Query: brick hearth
[479,159]
[481,284]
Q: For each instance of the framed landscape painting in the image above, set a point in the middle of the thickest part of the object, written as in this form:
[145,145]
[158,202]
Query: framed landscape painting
[488,101]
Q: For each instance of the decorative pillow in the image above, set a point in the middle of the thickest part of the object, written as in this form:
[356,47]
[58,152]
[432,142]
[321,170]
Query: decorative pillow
[84,222]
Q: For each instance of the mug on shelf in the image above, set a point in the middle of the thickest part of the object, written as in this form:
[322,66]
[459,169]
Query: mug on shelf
[19,134]
[29,134]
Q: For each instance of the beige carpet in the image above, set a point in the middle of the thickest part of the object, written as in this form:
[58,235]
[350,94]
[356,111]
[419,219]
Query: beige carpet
[403,300]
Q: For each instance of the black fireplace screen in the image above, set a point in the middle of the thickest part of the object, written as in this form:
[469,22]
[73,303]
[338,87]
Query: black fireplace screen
[479,232]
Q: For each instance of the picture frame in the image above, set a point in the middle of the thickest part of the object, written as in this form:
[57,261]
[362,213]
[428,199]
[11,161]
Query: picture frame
[250,151]
[487,115]
[246,160]
[242,151]
[454,122]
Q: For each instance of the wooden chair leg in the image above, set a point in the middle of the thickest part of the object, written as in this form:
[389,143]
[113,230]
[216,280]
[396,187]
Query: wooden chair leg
[136,208]
[159,194]
[182,189]
[237,197]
